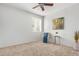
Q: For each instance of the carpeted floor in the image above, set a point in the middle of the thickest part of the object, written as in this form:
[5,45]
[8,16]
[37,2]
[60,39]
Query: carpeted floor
[38,49]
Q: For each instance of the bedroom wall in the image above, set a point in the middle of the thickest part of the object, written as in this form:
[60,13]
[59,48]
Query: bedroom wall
[71,24]
[16,26]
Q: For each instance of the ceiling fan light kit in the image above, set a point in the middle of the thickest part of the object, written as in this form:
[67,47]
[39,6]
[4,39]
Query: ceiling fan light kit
[41,5]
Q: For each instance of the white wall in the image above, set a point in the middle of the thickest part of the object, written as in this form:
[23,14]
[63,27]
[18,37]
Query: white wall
[16,26]
[71,23]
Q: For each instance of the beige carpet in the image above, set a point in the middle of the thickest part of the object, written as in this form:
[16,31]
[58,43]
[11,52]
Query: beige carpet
[38,49]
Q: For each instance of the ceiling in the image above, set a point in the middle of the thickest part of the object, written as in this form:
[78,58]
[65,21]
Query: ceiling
[48,10]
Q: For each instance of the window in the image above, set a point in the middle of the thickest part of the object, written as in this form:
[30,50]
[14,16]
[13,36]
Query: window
[37,24]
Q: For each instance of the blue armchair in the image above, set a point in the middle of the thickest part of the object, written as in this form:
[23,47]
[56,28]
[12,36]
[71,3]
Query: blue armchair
[45,38]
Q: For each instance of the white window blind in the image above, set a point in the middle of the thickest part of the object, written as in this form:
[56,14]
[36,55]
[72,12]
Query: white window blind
[37,24]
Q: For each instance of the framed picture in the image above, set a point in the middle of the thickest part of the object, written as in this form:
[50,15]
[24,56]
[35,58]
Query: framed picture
[58,23]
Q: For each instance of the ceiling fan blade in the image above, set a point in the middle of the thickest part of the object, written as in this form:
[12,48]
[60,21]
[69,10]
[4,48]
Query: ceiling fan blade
[42,7]
[48,4]
[35,6]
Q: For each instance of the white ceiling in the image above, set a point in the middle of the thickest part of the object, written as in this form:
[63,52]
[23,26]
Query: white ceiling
[48,10]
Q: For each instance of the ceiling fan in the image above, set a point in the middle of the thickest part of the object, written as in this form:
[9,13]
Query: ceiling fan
[41,5]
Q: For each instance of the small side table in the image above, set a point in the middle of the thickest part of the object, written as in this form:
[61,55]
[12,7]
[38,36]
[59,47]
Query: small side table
[59,37]
[76,47]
